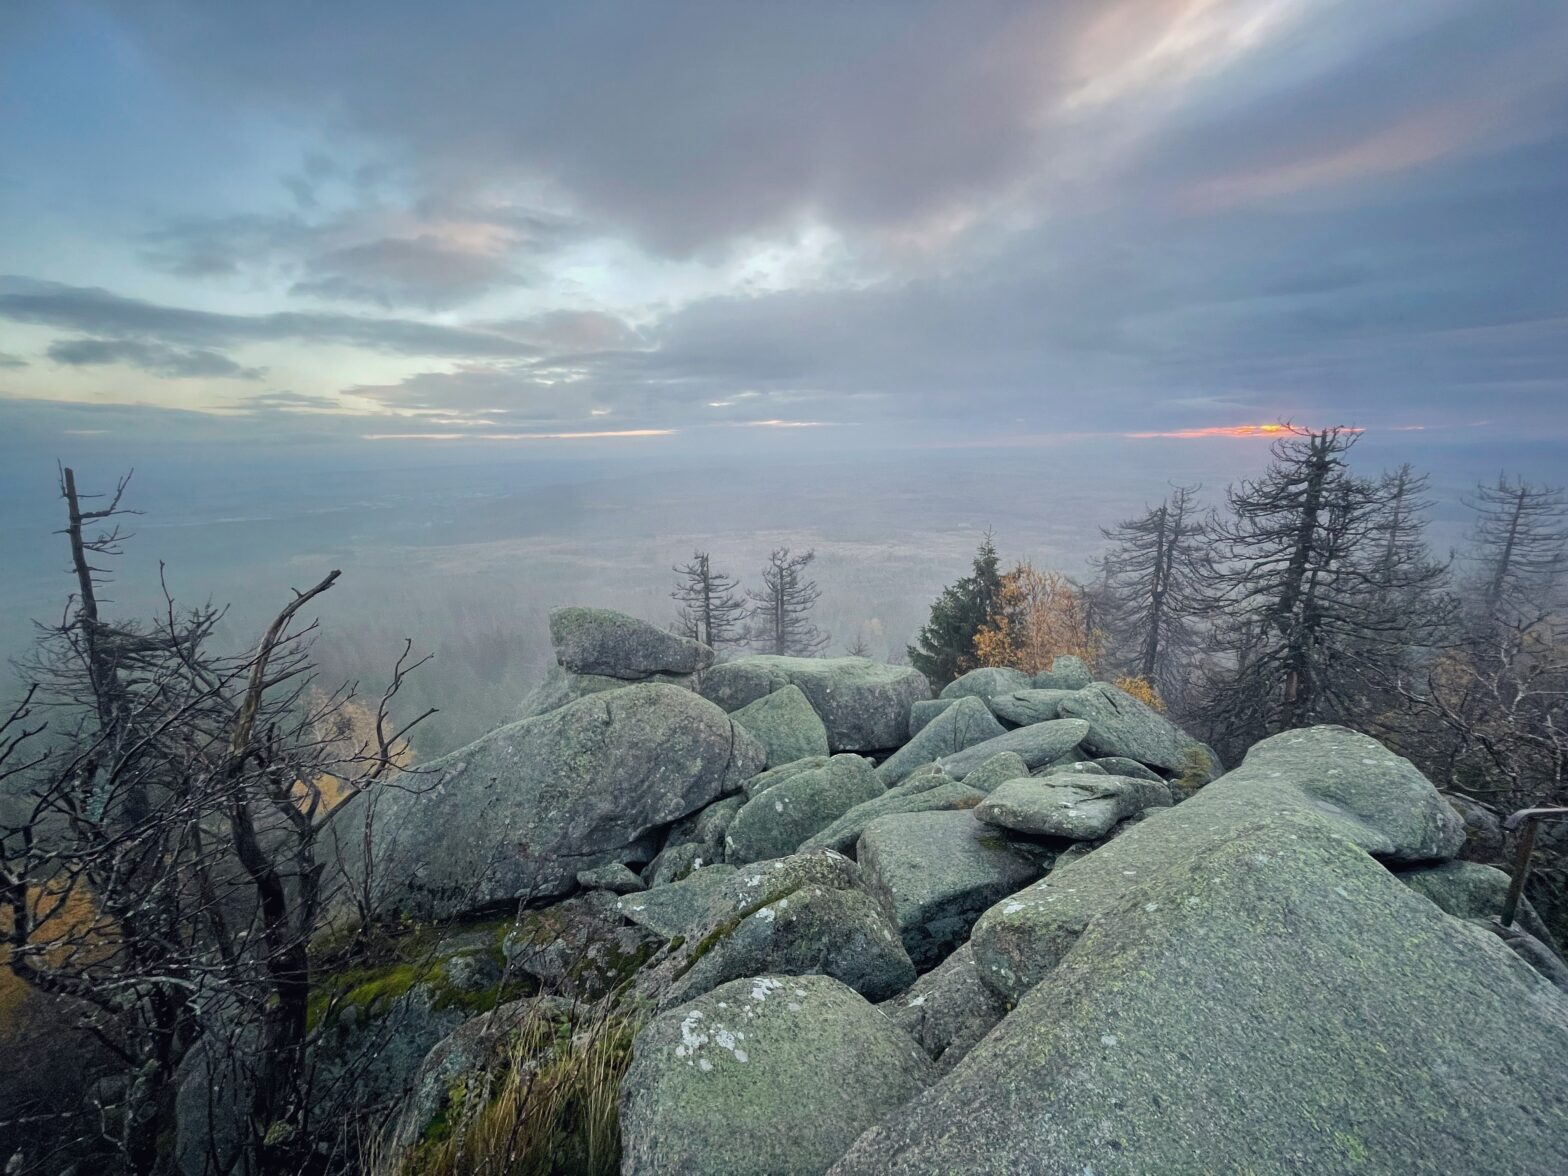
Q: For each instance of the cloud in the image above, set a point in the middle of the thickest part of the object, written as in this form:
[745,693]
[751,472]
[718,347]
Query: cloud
[156,358]
[432,256]
[105,314]
[11,361]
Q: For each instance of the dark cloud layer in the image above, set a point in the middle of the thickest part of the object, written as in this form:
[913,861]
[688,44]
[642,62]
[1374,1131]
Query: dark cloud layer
[1059,215]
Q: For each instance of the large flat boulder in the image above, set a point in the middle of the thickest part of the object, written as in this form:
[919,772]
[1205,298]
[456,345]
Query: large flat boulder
[780,816]
[1120,724]
[784,723]
[518,813]
[1081,810]
[1235,986]
[602,641]
[986,683]
[864,704]
[764,1076]
[937,872]
[967,722]
[930,793]
[1023,707]
[1037,745]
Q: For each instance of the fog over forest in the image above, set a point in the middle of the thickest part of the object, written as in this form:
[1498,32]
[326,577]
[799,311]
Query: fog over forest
[466,549]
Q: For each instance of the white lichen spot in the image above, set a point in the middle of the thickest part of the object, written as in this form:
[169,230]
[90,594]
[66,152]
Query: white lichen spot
[753,879]
[1192,900]
[1108,1040]
[742,1056]
[704,1065]
[778,806]
[916,1002]
[766,915]
[793,1006]
[1151,907]
[762,985]
[1012,908]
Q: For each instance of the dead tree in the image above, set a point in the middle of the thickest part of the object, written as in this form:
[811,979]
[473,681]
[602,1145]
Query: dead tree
[167,872]
[781,611]
[711,609]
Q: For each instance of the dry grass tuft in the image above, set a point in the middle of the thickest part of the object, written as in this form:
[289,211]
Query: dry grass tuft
[553,1106]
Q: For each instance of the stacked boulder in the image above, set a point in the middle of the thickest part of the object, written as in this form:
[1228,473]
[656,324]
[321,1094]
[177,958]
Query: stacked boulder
[1025,926]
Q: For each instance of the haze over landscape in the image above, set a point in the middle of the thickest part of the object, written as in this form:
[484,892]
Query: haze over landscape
[985,586]
[465,307]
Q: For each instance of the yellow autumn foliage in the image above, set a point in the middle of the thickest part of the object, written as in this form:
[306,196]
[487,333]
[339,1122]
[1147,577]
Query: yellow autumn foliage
[1042,616]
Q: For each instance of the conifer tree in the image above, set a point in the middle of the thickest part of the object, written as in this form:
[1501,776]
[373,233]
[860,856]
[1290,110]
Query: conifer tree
[945,647]
[1302,591]
[1151,592]
[781,611]
[711,610]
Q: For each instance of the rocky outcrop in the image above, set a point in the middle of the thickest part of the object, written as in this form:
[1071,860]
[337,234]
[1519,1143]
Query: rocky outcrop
[936,873]
[927,793]
[1037,744]
[1066,673]
[790,804]
[784,723]
[986,683]
[1302,1009]
[1079,811]
[964,724]
[948,1010]
[612,644]
[1023,707]
[1121,725]
[764,1075]
[864,704]
[518,813]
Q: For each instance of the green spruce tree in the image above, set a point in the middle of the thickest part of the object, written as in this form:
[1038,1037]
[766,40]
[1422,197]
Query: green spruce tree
[945,647]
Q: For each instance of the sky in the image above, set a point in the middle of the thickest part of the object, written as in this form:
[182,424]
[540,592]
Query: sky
[790,226]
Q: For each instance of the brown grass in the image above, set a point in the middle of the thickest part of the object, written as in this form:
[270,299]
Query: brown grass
[553,1107]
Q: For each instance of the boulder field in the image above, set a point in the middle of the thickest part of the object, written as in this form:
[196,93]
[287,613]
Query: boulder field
[1029,926]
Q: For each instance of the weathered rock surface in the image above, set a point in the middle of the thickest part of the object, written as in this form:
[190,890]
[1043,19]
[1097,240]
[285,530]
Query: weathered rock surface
[772,1075]
[1066,673]
[922,712]
[967,722]
[676,907]
[694,841]
[986,683]
[1004,765]
[948,1010]
[601,641]
[785,724]
[1121,725]
[928,793]
[581,948]
[615,878]
[1283,781]
[864,704]
[716,895]
[779,817]
[1234,986]
[815,929]
[1079,810]
[521,811]
[1038,745]
[560,687]
[1120,765]
[1024,707]
[937,872]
